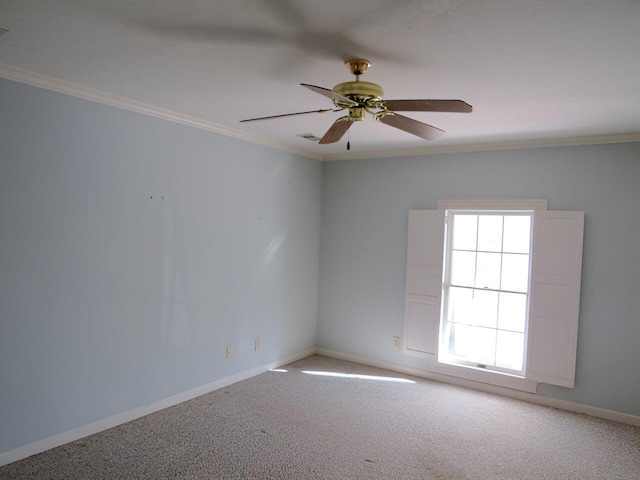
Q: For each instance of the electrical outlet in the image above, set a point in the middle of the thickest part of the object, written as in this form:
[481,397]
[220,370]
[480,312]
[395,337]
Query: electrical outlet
[229,352]
[256,345]
[396,342]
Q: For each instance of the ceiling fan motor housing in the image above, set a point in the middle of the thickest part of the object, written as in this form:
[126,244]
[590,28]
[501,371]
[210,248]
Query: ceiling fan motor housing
[359,91]
[368,95]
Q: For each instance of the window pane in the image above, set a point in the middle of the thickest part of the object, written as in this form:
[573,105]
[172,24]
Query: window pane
[460,305]
[485,324]
[473,344]
[463,267]
[512,312]
[490,233]
[460,337]
[465,230]
[488,270]
[485,308]
[515,272]
[517,234]
[484,347]
[510,350]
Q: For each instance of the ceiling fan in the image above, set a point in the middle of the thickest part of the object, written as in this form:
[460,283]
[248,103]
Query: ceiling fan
[359,97]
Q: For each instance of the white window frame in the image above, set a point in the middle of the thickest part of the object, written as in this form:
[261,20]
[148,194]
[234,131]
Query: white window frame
[446,285]
[554,293]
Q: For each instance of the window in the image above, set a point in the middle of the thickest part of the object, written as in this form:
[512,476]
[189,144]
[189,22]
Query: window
[498,289]
[486,289]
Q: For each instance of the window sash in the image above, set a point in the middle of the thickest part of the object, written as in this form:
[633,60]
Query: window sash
[448,324]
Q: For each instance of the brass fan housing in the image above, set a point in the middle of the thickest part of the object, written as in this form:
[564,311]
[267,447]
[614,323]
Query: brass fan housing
[359,90]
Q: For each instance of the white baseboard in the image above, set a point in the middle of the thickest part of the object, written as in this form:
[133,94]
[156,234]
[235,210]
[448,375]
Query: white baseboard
[506,392]
[115,420]
[124,417]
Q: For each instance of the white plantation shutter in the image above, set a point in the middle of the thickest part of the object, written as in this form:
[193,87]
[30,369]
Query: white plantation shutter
[425,248]
[555,297]
[556,268]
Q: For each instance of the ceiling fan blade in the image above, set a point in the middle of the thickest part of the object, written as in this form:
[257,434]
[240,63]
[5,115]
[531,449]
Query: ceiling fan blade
[337,130]
[286,115]
[330,94]
[428,106]
[412,126]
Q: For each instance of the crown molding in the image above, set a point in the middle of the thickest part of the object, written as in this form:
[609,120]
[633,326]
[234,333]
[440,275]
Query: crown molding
[61,86]
[489,146]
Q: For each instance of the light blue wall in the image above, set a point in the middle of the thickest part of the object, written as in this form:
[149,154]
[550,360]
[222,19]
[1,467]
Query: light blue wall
[111,299]
[363,246]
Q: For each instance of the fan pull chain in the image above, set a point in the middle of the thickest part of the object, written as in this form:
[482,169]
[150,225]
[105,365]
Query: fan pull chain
[348,141]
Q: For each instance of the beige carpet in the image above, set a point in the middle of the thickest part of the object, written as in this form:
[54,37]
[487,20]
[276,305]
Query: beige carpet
[296,425]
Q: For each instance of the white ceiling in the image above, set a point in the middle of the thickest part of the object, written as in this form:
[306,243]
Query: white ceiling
[536,72]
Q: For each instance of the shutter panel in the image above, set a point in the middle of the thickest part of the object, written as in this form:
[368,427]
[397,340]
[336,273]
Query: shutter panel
[425,249]
[555,297]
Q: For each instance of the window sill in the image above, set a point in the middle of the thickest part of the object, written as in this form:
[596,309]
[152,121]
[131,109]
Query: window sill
[485,376]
